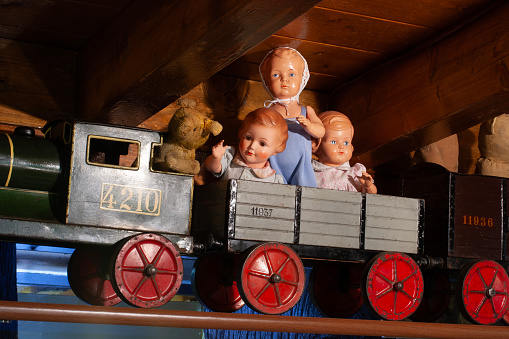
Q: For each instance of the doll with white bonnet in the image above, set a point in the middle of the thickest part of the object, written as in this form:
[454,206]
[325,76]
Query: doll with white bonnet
[284,74]
[334,151]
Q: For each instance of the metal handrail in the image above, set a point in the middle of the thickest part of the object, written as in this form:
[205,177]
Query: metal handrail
[12,310]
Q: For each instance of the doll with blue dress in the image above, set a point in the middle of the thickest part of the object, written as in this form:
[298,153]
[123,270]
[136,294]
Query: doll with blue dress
[284,74]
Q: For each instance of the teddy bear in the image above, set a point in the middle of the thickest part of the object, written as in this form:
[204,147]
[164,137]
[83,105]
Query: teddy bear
[188,129]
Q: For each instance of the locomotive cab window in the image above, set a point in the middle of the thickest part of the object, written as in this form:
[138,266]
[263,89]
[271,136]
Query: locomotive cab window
[112,152]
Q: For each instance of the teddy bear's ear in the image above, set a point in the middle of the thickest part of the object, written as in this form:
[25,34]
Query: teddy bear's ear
[186,103]
[175,120]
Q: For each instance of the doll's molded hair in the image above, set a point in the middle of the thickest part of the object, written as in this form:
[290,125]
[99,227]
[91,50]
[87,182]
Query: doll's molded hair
[276,52]
[335,121]
[266,117]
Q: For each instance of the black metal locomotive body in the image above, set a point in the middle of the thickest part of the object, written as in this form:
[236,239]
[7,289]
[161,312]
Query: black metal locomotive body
[91,184]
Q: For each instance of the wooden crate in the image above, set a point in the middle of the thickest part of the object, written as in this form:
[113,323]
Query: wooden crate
[330,218]
[392,223]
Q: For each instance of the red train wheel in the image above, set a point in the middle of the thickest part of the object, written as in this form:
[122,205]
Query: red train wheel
[271,279]
[505,318]
[213,281]
[87,277]
[483,296]
[335,289]
[147,270]
[392,285]
[436,298]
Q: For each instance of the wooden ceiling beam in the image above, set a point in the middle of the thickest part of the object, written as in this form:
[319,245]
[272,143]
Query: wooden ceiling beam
[36,83]
[157,51]
[443,89]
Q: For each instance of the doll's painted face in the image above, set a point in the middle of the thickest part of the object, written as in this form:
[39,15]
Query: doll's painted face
[283,73]
[336,147]
[258,143]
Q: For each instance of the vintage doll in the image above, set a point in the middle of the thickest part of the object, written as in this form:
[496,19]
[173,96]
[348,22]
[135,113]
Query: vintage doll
[262,134]
[284,74]
[334,151]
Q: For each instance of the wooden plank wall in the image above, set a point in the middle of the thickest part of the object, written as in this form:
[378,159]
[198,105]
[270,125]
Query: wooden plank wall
[446,88]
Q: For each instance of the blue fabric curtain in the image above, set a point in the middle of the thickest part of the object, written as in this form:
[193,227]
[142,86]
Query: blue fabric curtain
[8,289]
[304,308]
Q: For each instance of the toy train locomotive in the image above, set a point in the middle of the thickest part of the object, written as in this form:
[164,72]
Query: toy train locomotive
[92,184]
[93,187]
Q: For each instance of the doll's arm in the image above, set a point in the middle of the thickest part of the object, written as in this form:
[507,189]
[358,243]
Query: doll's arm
[312,124]
[213,161]
[367,183]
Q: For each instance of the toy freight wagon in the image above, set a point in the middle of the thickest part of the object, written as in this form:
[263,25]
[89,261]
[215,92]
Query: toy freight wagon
[466,226]
[275,225]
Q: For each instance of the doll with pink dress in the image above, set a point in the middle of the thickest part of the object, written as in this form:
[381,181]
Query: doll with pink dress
[284,74]
[334,151]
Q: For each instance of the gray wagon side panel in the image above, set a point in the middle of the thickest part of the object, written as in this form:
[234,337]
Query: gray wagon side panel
[392,223]
[264,212]
[330,218]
